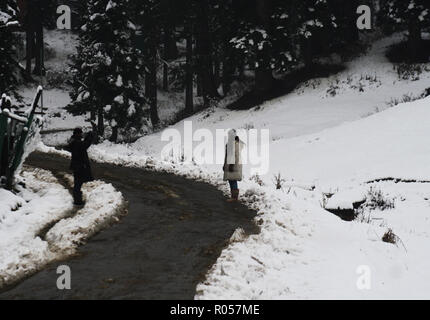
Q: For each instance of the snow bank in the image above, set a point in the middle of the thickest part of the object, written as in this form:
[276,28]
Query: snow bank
[42,202]
[346,198]
[4,17]
[304,252]
[324,141]
[104,205]
[391,144]
[306,111]
[41,147]
[336,146]
[24,248]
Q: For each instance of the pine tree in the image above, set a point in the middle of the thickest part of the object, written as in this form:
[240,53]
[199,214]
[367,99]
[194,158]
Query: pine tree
[204,50]
[8,80]
[107,70]
[283,34]
[189,64]
[148,16]
[346,21]
[170,49]
[413,14]
[264,39]
[252,41]
[312,21]
[224,24]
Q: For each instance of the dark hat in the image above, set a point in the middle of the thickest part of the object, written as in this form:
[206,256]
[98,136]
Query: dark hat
[77,131]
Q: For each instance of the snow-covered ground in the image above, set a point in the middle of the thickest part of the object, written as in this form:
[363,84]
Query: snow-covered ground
[23,216]
[24,249]
[324,145]
[335,141]
[305,252]
[60,46]
[310,108]
[104,206]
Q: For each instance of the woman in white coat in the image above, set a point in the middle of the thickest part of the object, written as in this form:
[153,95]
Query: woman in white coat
[233,163]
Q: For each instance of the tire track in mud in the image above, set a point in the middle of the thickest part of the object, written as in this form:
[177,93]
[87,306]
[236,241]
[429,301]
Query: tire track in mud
[174,232]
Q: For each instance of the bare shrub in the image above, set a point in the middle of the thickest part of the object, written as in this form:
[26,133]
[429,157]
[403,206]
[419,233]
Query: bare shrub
[249,126]
[377,200]
[406,71]
[257,179]
[390,237]
[333,89]
[278,181]
[406,98]
[363,218]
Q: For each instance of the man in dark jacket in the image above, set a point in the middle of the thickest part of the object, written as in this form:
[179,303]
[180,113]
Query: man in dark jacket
[80,164]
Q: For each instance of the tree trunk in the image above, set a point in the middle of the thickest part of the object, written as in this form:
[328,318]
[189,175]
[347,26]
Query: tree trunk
[241,69]
[350,13]
[308,53]
[32,19]
[263,80]
[170,48]
[226,75]
[263,74]
[29,49]
[100,122]
[217,70]
[199,84]
[114,136]
[151,82]
[204,52]
[169,40]
[165,76]
[189,104]
[263,12]
[414,39]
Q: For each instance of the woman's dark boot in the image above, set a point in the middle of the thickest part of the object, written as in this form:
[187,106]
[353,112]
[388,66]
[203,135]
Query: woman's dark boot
[234,196]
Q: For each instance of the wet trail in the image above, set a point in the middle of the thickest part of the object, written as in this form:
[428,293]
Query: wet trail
[173,233]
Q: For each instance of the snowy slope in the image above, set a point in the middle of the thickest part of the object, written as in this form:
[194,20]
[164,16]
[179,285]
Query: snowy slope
[303,251]
[307,253]
[60,45]
[44,202]
[23,216]
[4,17]
[329,139]
[307,110]
[391,144]
[323,145]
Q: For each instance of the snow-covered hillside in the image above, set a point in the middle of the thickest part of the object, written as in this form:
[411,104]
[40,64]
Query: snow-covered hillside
[336,141]
[23,216]
[340,137]
[305,252]
[26,246]
[310,108]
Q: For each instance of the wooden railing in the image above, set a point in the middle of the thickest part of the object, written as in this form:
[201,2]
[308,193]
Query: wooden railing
[16,130]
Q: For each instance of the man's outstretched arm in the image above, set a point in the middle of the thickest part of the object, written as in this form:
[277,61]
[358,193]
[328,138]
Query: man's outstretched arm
[88,140]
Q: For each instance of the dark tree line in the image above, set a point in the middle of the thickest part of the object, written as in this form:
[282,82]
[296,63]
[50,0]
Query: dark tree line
[216,40]
[130,49]
[8,78]
[413,15]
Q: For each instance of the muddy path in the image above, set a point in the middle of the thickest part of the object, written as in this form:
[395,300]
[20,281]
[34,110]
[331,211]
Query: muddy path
[173,233]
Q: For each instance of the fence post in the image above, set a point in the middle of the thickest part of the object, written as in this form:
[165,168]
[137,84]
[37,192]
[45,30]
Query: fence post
[3,130]
[19,149]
